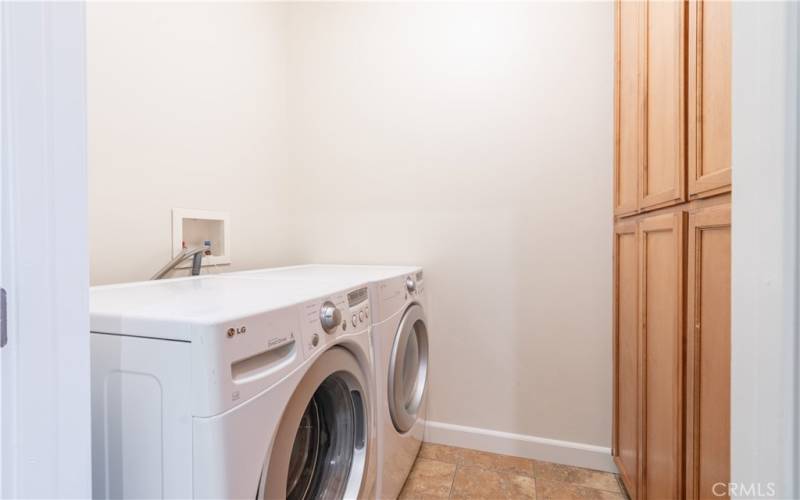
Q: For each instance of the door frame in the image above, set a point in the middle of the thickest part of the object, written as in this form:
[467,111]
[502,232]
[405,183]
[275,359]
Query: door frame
[765,351]
[45,411]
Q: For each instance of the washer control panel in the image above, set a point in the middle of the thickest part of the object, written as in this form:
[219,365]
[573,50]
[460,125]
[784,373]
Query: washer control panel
[329,317]
[358,303]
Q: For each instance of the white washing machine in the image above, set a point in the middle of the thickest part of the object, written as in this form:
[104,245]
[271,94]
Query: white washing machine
[212,387]
[400,342]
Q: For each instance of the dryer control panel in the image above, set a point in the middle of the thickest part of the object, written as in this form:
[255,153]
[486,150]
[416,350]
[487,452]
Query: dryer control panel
[394,294]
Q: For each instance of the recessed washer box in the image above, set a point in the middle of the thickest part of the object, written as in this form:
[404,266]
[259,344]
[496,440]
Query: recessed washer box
[197,226]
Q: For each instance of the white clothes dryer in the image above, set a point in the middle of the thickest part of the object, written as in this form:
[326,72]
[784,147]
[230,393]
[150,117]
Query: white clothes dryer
[212,387]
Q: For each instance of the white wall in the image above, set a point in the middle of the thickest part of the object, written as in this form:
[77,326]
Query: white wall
[765,432]
[475,140]
[187,109]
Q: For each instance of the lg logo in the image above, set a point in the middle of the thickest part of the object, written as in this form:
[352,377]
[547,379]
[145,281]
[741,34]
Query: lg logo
[237,331]
[752,490]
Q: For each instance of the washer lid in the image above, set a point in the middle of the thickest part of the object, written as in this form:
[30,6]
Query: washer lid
[346,273]
[387,283]
[170,308]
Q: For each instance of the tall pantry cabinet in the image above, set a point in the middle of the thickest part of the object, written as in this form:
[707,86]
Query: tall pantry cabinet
[672,192]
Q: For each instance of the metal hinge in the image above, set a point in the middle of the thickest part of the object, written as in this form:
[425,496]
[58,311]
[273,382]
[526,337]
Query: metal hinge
[3,318]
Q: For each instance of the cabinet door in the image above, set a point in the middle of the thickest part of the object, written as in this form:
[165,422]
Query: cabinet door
[626,354]
[661,251]
[709,131]
[663,174]
[708,362]
[629,106]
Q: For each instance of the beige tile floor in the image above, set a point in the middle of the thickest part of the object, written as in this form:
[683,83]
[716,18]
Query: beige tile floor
[459,473]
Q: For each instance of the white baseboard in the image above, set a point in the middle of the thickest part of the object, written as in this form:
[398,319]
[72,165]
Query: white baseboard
[520,445]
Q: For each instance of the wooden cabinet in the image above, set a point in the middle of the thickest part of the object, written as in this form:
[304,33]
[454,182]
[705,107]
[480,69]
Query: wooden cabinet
[629,106]
[672,350]
[661,254]
[708,349]
[672,103]
[626,353]
[709,92]
[649,324]
[672,182]
[663,171]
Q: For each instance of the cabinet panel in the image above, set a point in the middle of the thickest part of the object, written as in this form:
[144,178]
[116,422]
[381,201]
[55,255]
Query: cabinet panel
[628,111]
[708,351]
[661,253]
[626,354]
[709,89]
[663,173]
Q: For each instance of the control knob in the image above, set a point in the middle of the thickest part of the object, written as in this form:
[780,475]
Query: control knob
[411,285]
[329,317]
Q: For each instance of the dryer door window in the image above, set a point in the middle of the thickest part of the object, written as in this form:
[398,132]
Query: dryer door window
[321,447]
[408,369]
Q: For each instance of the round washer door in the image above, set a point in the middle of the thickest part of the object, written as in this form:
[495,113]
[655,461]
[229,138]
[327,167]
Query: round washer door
[320,449]
[408,369]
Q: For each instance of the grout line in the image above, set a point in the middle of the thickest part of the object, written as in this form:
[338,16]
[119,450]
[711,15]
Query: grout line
[453,482]
[576,485]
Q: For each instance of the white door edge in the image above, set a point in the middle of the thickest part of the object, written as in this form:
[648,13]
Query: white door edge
[3,442]
[45,439]
[765,430]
